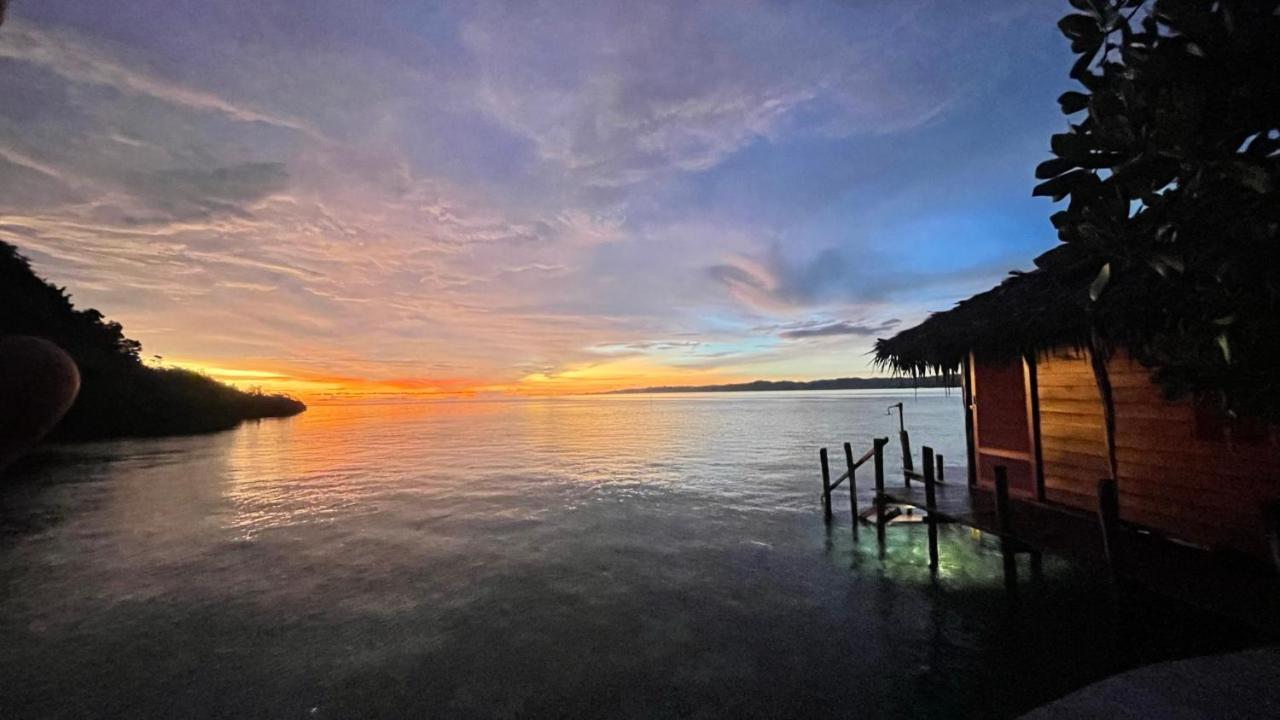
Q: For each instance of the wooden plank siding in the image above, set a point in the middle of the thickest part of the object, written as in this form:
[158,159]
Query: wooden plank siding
[1073,444]
[1171,478]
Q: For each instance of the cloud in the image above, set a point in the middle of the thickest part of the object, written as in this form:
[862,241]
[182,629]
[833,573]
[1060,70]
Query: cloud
[871,274]
[772,280]
[193,192]
[646,89]
[843,327]
[510,189]
[80,62]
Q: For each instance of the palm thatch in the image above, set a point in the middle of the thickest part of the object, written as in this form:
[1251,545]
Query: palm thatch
[1026,314]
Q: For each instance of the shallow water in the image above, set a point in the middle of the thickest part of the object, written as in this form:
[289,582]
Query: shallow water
[621,556]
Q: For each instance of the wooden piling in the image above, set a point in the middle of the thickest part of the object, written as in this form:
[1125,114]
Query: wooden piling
[878,447]
[1004,522]
[853,488]
[826,485]
[908,465]
[1037,566]
[930,504]
[940,476]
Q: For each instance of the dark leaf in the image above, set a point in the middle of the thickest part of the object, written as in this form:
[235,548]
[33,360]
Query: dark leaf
[1073,102]
[1053,168]
[1080,70]
[1079,26]
[1072,146]
[1064,185]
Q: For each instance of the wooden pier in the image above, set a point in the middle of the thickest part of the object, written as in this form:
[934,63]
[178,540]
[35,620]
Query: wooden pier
[1132,556]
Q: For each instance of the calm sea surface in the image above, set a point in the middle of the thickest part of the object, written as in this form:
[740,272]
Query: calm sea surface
[618,556]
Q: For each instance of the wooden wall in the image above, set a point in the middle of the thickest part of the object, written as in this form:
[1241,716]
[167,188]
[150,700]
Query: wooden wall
[1175,475]
[1072,437]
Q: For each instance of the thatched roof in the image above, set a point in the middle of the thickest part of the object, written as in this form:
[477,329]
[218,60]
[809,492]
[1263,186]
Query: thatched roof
[1026,314]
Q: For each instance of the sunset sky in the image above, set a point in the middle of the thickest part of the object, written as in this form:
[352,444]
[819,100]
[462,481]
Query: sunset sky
[334,197]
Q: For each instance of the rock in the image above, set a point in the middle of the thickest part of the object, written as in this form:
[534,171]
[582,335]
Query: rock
[38,383]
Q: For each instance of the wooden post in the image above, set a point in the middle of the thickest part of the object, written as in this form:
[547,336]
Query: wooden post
[907,464]
[1005,523]
[878,446]
[970,439]
[940,476]
[853,488]
[826,485]
[1032,386]
[1109,520]
[930,505]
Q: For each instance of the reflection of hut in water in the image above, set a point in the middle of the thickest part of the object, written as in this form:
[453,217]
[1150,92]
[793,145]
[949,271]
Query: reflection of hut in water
[1184,470]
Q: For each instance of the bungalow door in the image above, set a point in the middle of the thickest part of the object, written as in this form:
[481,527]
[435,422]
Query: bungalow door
[1001,423]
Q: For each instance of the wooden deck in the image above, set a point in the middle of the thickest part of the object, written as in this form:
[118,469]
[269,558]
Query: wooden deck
[1236,587]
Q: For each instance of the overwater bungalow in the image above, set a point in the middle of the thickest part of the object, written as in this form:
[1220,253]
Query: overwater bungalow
[1184,470]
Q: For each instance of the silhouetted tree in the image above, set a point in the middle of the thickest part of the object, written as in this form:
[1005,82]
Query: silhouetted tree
[1172,170]
[119,394]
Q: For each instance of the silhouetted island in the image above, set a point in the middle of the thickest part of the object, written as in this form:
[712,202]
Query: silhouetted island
[854,383]
[119,394]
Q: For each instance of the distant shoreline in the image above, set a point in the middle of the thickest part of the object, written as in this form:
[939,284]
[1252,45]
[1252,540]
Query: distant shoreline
[854,383]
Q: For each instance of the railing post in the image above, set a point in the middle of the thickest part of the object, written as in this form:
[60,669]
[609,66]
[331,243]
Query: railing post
[1005,524]
[826,485]
[940,476]
[908,465]
[878,446]
[853,488]
[930,505]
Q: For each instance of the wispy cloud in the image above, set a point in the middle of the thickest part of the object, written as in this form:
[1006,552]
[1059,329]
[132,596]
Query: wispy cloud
[563,191]
[82,62]
[842,327]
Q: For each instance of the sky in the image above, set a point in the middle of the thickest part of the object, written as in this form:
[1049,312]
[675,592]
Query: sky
[338,198]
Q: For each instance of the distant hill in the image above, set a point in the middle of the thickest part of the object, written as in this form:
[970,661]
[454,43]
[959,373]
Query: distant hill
[833,384]
[119,395]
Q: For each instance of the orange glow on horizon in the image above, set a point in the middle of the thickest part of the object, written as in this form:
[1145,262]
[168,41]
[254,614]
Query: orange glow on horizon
[600,377]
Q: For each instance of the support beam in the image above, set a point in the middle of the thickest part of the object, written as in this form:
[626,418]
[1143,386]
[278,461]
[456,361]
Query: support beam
[853,488]
[1004,521]
[908,465]
[930,505]
[1031,374]
[826,485]
[878,447]
[970,432]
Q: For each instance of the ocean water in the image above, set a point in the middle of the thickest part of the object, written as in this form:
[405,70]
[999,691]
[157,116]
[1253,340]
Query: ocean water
[614,556]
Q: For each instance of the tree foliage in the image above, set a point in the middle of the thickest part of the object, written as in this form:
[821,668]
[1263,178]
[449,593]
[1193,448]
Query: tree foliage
[1171,169]
[119,394]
